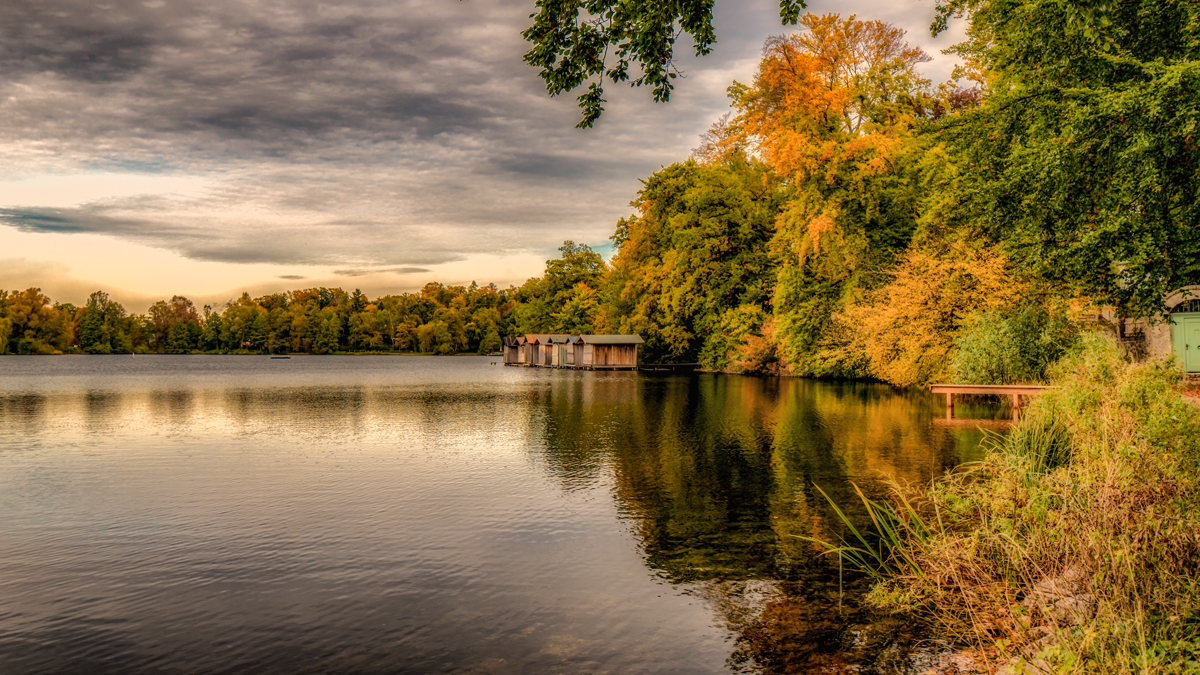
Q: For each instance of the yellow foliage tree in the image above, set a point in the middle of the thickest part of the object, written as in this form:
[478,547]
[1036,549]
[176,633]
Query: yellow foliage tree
[906,327]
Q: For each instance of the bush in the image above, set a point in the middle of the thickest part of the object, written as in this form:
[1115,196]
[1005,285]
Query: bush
[1010,347]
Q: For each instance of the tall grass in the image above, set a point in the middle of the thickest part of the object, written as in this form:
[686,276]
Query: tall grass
[1102,476]
[899,531]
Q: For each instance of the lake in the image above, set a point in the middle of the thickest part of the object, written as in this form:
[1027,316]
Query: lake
[408,514]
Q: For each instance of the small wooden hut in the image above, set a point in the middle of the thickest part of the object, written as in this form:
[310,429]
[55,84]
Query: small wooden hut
[539,348]
[512,350]
[606,352]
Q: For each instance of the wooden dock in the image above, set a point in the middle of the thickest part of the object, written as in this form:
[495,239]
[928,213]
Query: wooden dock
[1014,390]
[668,367]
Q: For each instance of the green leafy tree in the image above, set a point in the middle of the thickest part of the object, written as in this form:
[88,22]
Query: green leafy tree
[99,324]
[581,312]
[329,336]
[1084,157]
[1013,346]
[577,42]
[210,337]
[443,339]
[698,248]
[259,330]
[182,337]
[491,342]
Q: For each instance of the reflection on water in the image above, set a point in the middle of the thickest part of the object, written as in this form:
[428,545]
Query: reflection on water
[408,514]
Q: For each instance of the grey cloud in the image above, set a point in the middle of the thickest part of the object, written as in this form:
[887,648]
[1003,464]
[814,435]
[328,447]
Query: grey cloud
[319,244]
[70,221]
[270,73]
[393,270]
[291,277]
[361,134]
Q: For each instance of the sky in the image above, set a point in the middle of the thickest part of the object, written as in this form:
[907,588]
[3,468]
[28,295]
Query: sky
[162,147]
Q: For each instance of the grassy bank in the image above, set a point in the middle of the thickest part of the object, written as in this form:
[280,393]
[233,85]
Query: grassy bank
[1074,546]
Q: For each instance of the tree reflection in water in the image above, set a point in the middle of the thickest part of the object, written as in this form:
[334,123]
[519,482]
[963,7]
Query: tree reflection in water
[716,475]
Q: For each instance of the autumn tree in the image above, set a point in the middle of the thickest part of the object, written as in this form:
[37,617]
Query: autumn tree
[835,109]
[165,315]
[904,330]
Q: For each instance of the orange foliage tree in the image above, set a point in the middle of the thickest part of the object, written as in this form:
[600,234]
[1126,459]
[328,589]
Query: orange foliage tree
[834,111]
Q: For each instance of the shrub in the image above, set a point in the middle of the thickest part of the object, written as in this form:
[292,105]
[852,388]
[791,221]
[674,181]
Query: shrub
[1014,346]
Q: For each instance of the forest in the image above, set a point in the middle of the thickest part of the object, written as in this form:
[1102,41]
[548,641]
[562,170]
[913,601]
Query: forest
[847,218]
[850,218]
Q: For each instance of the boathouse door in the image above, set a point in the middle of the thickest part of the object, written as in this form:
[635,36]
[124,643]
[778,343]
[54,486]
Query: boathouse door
[1191,336]
[1185,338]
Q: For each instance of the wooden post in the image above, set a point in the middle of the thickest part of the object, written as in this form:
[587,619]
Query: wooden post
[949,406]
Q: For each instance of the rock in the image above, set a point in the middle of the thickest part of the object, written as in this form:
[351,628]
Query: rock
[1069,582]
[1040,633]
[1074,609]
[1051,590]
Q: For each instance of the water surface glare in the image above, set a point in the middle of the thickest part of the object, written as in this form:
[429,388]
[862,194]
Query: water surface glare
[222,514]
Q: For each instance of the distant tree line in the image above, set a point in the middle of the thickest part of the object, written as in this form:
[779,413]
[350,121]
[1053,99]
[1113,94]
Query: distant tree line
[436,320]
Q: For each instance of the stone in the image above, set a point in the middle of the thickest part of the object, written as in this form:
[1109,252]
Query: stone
[1051,590]
[1069,582]
[1074,609]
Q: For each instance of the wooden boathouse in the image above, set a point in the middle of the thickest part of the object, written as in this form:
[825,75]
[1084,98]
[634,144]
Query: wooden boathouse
[588,352]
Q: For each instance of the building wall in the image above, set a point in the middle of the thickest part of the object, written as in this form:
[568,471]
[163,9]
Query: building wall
[1158,336]
[614,355]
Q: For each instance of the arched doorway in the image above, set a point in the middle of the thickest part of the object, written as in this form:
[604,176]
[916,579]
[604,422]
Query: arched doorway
[1185,333]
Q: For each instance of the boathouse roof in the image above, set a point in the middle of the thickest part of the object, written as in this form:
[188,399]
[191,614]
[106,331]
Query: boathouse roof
[546,338]
[608,339]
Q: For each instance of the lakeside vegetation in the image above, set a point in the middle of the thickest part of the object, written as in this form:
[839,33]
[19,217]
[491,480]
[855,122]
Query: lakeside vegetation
[1074,545]
[852,219]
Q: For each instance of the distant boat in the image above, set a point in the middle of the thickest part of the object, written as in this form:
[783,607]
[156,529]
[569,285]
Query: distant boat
[495,353]
[281,357]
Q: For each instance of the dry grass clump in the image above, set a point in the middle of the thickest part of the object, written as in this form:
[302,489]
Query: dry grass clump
[1076,542]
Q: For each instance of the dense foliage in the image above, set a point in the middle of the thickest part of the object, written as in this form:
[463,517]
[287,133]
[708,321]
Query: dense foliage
[849,218]
[1094,496]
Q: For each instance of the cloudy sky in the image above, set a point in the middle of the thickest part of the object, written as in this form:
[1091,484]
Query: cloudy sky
[155,147]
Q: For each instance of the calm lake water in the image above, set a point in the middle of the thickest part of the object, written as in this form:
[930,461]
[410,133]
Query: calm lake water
[223,514]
